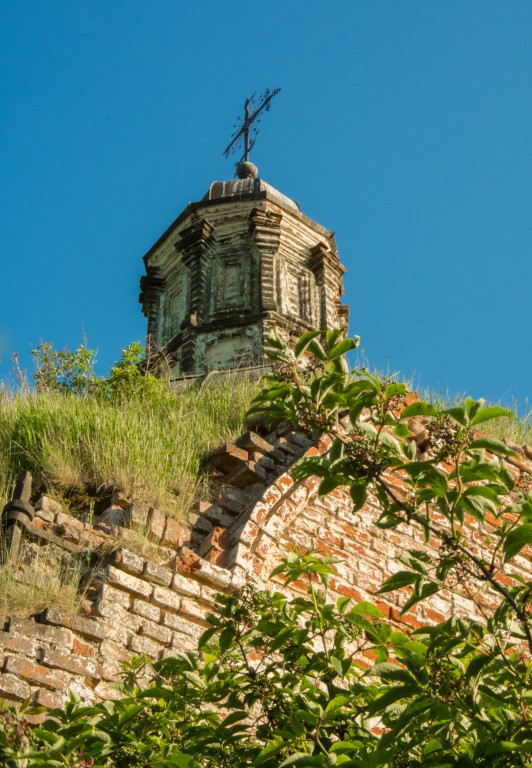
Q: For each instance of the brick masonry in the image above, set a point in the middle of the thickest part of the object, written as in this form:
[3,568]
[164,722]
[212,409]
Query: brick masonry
[160,606]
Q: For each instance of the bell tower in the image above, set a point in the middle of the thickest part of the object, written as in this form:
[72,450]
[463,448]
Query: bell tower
[234,267]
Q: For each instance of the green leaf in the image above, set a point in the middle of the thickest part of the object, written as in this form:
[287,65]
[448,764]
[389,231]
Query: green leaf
[301,758]
[328,484]
[269,751]
[312,465]
[398,580]
[359,494]
[419,409]
[394,389]
[492,412]
[423,589]
[206,636]
[336,664]
[516,540]
[337,703]
[337,450]
[303,342]
[226,639]
[331,337]
[235,717]
[491,444]
[410,449]
[367,609]
[344,346]
[274,341]
[502,747]
[459,415]
[401,430]
[394,694]
[317,350]
[390,442]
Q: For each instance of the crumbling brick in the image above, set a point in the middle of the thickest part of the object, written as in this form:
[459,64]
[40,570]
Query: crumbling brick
[199,523]
[145,645]
[128,582]
[179,624]
[106,692]
[218,538]
[137,515]
[250,441]
[17,643]
[247,473]
[157,524]
[233,506]
[173,534]
[158,574]
[36,673]
[70,663]
[185,585]
[85,627]
[12,687]
[166,598]
[228,457]
[48,699]
[214,575]
[29,628]
[156,632]
[192,609]
[146,610]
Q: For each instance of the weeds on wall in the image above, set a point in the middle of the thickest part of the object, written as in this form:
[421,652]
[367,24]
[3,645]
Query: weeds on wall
[151,449]
[44,578]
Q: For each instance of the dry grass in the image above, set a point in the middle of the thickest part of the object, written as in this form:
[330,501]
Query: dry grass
[40,581]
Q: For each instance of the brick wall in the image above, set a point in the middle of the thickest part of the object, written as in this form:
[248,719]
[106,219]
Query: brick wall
[158,605]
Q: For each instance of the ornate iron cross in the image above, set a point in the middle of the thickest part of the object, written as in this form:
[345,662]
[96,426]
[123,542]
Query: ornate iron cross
[252,109]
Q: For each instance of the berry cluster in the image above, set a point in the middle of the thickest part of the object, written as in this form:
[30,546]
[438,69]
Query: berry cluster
[366,458]
[250,603]
[446,681]
[446,438]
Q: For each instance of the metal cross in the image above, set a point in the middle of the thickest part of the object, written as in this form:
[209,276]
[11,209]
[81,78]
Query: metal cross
[248,123]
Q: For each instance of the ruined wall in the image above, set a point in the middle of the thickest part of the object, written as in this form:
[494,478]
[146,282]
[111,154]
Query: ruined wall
[158,605]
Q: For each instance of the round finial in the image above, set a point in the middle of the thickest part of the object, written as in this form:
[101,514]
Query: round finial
[247,170]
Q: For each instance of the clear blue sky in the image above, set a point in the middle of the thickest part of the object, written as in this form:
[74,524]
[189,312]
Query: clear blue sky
[405,127]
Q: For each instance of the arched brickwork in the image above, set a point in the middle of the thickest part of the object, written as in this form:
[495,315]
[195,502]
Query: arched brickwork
[159,607]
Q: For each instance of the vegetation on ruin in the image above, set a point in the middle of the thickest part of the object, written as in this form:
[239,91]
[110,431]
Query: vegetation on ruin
[38,583]
[82,437]
[304,682]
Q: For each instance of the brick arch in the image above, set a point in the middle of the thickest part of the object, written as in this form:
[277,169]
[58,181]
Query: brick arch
[290,514]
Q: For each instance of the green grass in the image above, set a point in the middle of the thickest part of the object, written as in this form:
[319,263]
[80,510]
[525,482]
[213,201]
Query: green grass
[150,449]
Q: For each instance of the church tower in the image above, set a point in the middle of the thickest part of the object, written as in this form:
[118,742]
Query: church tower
[234,267]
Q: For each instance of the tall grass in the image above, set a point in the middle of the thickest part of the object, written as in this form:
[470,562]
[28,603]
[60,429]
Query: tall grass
[149,448]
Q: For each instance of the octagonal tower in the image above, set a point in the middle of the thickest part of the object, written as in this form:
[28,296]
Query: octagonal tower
[238,265]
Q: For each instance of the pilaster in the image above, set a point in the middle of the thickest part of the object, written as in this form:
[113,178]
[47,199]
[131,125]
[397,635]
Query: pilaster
[265,231]
[152,286]
[195,246]
[328,272]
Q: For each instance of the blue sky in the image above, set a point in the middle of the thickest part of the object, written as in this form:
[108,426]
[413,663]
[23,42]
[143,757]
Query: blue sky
[405,127]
